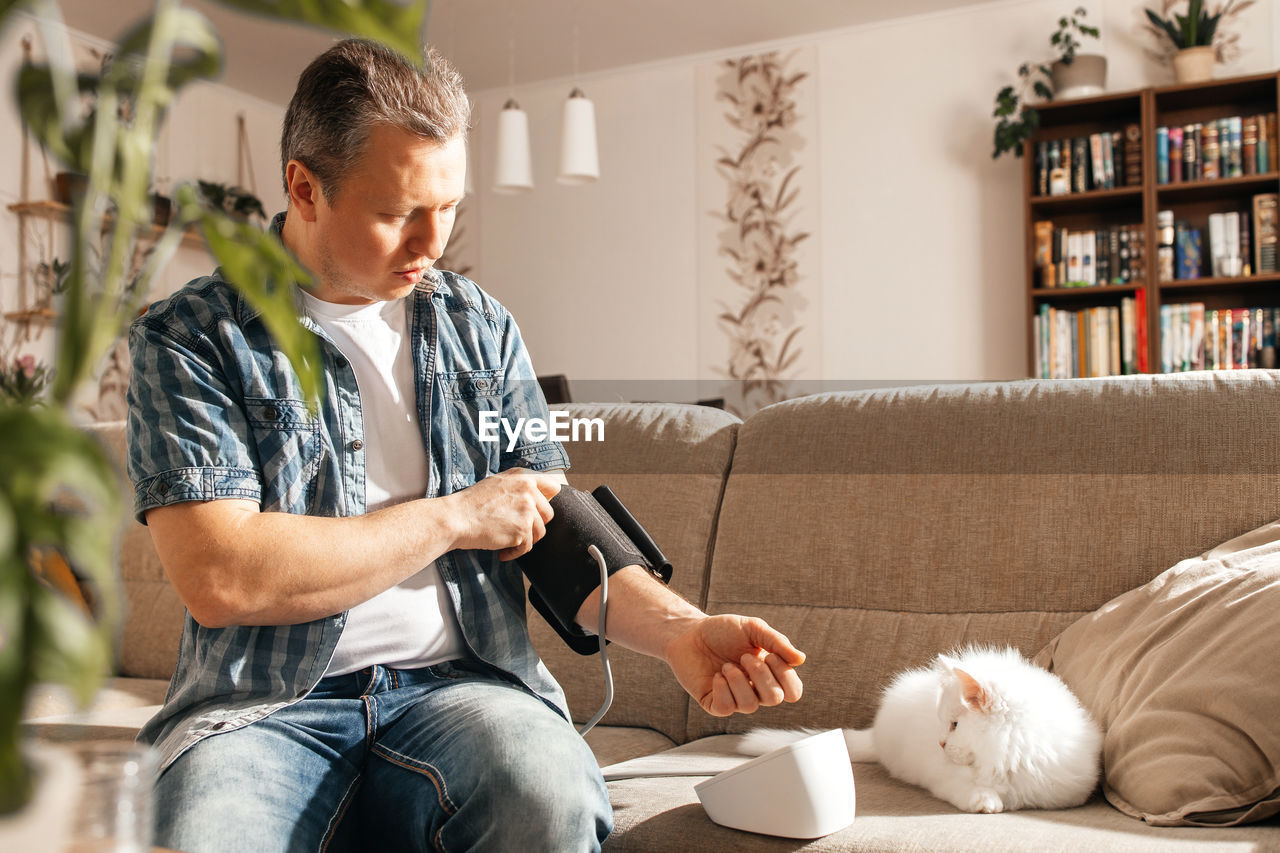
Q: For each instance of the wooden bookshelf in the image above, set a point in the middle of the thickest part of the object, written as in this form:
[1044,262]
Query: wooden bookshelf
[1136,204]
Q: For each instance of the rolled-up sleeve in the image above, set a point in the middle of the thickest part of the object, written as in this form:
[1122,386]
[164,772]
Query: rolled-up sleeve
[188,438]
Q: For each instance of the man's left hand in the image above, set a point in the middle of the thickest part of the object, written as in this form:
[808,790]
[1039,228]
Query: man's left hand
[735,664]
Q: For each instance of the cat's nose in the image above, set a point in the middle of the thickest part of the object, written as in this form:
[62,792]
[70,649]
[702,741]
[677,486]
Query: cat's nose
[942,743]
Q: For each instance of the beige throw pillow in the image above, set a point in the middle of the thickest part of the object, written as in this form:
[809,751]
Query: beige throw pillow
[1183,674]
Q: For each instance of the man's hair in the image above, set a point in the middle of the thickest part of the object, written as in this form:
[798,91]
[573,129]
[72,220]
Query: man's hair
[356,85]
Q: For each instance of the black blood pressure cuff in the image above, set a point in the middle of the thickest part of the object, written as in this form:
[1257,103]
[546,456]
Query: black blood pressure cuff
[562,574]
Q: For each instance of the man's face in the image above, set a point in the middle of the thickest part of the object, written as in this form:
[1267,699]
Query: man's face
[390,219]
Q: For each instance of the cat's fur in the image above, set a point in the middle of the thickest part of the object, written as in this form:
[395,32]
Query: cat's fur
[983,729]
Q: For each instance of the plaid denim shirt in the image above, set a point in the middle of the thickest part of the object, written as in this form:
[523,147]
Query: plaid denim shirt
[216,411]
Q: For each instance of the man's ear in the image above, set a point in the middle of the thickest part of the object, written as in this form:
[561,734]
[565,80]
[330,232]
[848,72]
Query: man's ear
[304,189]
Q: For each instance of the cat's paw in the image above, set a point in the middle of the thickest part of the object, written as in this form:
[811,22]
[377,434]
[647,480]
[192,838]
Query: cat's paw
[984,801]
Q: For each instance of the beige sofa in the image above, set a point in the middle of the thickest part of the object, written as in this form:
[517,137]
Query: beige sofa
[875,529]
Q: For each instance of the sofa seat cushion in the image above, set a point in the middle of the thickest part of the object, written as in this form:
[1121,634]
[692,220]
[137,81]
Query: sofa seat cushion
[612,744]
[664,814]
[118,711]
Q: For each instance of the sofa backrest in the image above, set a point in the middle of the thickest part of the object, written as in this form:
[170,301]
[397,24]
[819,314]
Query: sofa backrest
[667,463]
[148,645]
[877,529]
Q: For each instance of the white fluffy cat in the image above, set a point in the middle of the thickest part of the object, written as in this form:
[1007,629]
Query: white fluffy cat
[984,729]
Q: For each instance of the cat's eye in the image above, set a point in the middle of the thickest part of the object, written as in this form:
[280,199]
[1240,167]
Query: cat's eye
[954,723]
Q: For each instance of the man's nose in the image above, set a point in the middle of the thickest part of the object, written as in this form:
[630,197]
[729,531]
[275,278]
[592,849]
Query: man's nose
[428,237]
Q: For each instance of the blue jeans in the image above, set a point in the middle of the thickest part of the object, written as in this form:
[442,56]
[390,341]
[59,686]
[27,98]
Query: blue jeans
[450,757]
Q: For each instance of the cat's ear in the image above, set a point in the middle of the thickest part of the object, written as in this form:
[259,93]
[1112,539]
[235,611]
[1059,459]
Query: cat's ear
[975,695]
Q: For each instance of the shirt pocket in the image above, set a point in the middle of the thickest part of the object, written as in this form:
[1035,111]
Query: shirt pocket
[286,435]
[476,437]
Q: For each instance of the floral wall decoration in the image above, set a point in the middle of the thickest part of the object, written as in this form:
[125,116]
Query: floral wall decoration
[759,326]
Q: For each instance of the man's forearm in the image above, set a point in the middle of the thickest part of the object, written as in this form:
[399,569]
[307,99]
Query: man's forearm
[644,614]
[232,564]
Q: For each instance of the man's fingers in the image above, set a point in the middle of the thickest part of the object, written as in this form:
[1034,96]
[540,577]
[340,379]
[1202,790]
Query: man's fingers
[744,697]
[786,677]
[548,486]
[719,700]
[771,640]
[767,689]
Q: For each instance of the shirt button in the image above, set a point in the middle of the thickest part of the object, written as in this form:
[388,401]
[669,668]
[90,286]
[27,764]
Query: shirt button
[271,413]
[357,445]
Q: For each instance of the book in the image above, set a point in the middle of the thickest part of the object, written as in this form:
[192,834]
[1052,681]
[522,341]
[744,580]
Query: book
[1166,338]
[1250,144]
[1133,154]
[1175,155]
[1089,257]
[1188,251]
[1191,152]
[1230,264]
[1196,336]
[1043,231]
[1075,251]
[1235,155]
[1080,165]
[1209,139]
[1217,242]
[1108,161]
[1140,313]
[1264,233]
[1162,155]
[1272,158]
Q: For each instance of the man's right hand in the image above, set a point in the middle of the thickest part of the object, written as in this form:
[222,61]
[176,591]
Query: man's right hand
[505,512]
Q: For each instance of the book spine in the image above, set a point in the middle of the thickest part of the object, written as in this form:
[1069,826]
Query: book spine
[1197,336]
[1272,158]
[1096,175]
[1175,155]
[1235,160]
[1162,155]
[1166,338]
[1140,322]
[1191,152]
[1210,161]
[1188,249]
[1265,232]
[1250,144]
[1109,160]
[1080,165]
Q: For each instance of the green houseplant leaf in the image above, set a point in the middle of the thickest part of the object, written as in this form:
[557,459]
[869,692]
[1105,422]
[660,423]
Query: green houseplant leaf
[58,493]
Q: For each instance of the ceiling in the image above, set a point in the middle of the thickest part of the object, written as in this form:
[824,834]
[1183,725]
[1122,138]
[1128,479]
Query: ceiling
[264,57]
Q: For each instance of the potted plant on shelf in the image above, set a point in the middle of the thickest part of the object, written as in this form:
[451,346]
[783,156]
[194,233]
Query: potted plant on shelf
[1071,75]
[1196,37]
[60,497]
[236,202]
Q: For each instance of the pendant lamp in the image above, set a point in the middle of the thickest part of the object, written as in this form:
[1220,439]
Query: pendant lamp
[579,162]
[514,173]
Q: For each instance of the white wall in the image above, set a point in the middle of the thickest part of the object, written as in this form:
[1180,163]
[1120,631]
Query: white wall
[921,262]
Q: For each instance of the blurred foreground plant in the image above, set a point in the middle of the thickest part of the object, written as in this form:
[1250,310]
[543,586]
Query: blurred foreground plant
[59,494]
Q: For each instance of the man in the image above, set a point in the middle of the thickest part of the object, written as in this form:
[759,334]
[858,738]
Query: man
[355,654]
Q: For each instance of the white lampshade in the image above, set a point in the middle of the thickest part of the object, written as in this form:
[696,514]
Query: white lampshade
[579,163]
[514,172]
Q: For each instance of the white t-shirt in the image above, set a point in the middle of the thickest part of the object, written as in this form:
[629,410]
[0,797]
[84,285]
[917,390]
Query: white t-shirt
[412,624]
